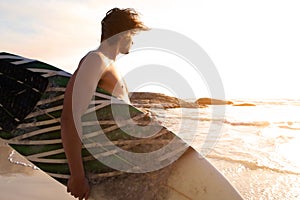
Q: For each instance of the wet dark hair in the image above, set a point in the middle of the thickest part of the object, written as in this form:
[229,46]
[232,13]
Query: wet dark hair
[120,20]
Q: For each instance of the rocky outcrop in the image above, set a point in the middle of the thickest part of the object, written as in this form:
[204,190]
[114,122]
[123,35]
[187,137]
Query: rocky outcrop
[158,100]
[211,101]
[244,104]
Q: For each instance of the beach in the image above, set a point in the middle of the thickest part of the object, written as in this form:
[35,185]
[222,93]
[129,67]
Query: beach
[245,54]
[24,182]
[254,147]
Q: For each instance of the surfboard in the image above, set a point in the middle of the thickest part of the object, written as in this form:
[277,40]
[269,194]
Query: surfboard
[31,102]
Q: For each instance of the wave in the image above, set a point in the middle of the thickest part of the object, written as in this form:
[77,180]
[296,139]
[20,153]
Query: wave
[15,161]
[279,102]
[288,125]
[261,124]
[257,123]
[252,165]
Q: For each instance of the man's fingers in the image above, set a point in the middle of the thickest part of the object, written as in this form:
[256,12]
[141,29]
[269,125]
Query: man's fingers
[78,192]
[84,196]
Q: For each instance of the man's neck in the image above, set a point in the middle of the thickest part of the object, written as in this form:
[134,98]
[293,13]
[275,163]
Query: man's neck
[110,51]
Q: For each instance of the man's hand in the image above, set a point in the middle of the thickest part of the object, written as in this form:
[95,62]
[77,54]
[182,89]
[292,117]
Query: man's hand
[78,187]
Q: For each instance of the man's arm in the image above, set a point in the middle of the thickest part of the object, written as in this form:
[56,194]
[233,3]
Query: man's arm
[78,95]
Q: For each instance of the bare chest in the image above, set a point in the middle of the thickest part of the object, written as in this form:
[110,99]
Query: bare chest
[112,82]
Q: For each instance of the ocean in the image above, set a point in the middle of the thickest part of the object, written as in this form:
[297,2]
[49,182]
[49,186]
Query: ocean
[255,147]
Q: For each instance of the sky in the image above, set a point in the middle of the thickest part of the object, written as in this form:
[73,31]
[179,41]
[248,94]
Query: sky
[254,45]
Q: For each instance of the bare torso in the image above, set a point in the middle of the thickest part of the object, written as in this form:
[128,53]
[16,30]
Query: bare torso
[111,81]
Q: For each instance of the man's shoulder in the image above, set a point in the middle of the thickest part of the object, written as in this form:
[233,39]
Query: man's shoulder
[94,57]
[94,54]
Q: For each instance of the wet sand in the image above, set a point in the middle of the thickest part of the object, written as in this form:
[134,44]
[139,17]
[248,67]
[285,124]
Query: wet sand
[20,182]
[259,183]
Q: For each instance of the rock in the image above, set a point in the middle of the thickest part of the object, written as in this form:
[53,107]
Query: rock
[184,104]
[211,101]
[244,104]
[158,100]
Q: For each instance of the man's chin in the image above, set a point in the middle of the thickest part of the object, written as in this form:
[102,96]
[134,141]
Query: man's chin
[125,51]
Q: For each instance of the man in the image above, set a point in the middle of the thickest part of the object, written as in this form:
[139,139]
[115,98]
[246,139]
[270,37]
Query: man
[95,69]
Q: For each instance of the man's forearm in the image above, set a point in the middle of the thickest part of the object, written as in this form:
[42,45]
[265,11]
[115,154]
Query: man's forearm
[72,146]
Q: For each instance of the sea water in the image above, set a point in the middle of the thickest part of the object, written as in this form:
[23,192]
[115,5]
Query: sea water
[255,147]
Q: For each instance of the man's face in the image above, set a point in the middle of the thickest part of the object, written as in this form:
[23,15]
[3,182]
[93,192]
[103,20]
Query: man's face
[126,42]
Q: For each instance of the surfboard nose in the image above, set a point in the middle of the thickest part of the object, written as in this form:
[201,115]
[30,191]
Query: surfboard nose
[20,90]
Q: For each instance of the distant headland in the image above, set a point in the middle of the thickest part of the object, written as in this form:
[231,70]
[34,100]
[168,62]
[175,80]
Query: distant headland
[158,100]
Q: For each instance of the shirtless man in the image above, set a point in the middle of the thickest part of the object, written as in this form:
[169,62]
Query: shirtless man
[95,69]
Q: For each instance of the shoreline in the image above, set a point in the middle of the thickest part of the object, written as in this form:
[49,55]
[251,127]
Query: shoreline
[258,183]
[21,182]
